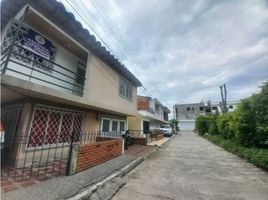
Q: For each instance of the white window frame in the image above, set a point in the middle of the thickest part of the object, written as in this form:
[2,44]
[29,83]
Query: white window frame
[127,89]
[111,121]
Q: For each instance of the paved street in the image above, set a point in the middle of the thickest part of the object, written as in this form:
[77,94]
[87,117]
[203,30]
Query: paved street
[189,167]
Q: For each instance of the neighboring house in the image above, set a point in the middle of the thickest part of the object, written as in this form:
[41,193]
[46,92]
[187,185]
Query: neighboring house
[231,106]
[151,115]
[187,113]
[56,78]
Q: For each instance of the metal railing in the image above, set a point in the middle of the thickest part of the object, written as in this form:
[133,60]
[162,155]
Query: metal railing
[150,135]
[32,159]
[33,69]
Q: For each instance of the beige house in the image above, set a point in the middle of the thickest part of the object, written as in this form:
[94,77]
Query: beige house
[56,78]
[151,115]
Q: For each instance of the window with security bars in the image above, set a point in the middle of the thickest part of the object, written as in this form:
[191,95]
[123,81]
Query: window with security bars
[27,56]
[51,125]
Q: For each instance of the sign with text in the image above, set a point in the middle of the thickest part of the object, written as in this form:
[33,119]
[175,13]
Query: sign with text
[39,44]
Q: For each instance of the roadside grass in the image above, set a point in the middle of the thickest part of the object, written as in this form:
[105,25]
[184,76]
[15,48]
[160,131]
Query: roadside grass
[256,156]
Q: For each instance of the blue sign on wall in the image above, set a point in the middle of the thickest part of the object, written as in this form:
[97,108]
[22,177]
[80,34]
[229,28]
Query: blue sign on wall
[38,44]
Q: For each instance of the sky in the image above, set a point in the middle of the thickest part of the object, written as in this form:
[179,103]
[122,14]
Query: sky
[183,50]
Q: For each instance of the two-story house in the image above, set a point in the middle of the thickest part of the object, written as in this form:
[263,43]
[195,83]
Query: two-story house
[151,115]
[56,78]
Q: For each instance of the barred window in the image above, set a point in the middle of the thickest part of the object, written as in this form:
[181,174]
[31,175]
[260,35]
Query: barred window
[125,89]
[51,125]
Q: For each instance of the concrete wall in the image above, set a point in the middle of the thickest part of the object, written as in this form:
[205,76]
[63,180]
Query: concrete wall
[91,122]
[135,123]
[191,114]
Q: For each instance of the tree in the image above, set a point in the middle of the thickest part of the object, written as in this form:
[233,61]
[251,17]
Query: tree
[174,123]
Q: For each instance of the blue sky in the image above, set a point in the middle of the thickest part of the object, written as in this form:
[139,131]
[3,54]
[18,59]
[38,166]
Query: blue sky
[183,50]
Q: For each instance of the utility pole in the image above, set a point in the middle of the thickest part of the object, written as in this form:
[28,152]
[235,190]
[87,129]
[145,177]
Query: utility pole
[223,103]
[174,120]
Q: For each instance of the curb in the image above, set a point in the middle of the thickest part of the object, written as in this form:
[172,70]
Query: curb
[122,172]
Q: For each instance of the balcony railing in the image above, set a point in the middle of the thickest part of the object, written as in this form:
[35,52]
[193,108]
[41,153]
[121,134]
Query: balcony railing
[22,63]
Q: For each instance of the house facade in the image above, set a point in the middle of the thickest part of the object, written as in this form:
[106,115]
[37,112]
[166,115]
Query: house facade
[187,113]
[56,80]
[151,115]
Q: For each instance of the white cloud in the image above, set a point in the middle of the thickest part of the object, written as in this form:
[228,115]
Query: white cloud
[186,49]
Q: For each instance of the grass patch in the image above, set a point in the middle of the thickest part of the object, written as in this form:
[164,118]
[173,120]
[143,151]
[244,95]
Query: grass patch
[256,156]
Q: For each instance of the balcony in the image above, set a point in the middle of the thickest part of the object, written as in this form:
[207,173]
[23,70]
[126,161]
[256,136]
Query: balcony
[19,61]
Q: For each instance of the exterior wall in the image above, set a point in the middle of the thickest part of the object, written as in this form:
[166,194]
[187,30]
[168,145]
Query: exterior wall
[93,154]
[140,141]
[194,111]
[143,103]
[135,123]
[91,122]
[103,87]
[63,58]
[155,124]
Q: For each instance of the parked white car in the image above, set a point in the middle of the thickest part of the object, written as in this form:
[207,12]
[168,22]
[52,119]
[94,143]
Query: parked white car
[167,130]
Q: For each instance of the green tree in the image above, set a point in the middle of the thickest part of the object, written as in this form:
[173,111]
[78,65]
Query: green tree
[202,123]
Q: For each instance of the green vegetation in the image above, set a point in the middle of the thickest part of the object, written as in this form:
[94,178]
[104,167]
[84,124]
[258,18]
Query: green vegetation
[244,131]
[174,123]
[256,156]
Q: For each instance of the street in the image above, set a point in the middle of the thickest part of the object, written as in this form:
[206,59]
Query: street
[190,167]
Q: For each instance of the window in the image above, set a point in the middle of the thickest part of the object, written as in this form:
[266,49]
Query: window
[114,125]
[231,107]
[188,108]
[109,124]
[192,108]
[51,125]
[201,108]
[81,72]
[214,108]
[105,125]
[125,89]
[122,126]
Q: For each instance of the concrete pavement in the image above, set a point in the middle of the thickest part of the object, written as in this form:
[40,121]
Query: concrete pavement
[190,167]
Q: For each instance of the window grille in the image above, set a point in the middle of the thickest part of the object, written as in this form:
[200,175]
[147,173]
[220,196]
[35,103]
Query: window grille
[52,125]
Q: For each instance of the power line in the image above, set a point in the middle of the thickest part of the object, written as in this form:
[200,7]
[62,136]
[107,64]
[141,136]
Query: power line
[76,7]
[117,32]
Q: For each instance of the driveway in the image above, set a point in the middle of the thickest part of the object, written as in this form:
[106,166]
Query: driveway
[190,167]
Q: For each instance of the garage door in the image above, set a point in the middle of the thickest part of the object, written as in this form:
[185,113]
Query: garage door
[187,125]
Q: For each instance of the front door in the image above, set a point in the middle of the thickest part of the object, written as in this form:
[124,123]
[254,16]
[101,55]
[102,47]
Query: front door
[146,127]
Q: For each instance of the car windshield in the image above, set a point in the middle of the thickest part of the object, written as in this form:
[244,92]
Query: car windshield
[164,126]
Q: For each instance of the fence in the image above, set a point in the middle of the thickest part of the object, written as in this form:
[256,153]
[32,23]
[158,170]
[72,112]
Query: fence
[48,157]
[150,135]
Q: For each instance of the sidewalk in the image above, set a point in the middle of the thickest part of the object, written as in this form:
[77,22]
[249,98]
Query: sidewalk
[160,142]
[68,186]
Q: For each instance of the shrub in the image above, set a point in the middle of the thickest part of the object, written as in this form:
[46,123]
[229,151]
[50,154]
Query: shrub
[202,124]
[256,156]
[213,128]
[246,123]
[226,125]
